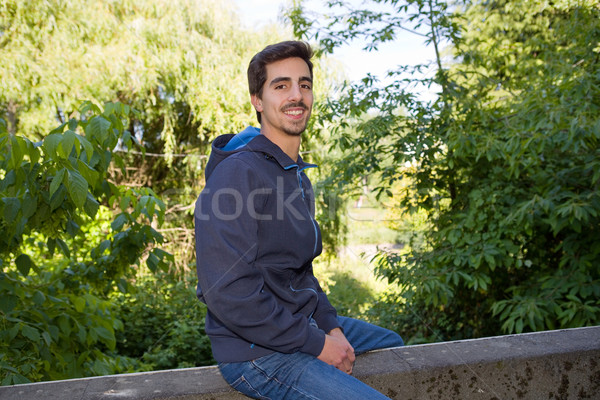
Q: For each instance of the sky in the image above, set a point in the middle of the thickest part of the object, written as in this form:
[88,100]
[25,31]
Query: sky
[406,49]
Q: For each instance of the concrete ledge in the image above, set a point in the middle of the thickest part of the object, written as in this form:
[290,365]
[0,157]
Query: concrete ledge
[561,364]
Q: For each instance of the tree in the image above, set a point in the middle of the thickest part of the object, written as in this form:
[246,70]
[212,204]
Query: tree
[86,215]
[60,255]
[504,162]
[180,63]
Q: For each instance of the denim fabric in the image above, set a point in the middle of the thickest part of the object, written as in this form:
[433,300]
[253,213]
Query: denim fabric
[302,376]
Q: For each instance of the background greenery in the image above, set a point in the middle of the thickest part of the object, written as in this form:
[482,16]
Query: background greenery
[502,168]
[479,209]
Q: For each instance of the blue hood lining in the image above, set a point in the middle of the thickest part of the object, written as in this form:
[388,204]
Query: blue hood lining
[241,139]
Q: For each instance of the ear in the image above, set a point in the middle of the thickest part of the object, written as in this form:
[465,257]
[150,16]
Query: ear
[256,102]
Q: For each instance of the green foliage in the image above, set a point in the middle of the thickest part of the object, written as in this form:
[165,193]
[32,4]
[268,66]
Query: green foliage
[164,323]
[60,255]
[153,55]
[346,292]
[85,207]
[180,63]
[505,162]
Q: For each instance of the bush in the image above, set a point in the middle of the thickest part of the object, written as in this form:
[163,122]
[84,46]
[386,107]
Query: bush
[163,324]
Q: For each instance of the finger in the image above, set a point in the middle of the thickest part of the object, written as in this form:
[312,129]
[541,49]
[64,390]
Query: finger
[349,370]
[347,366]
[351,355]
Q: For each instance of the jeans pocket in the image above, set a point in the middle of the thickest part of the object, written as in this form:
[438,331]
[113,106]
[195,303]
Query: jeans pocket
[243,386]
[234,374]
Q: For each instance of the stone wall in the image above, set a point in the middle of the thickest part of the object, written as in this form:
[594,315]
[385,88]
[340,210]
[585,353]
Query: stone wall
[561,364]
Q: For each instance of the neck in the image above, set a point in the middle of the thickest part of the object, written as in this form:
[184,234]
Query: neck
[288,143]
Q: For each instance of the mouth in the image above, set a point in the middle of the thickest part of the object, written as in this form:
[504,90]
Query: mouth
[295,111]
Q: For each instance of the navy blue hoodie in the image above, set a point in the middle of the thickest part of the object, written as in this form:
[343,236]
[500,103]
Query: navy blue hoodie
[256,238]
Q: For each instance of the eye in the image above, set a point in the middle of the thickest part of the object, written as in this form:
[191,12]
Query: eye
[306,86]
[282,86]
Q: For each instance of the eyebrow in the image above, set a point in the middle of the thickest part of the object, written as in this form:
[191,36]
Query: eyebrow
[288,79]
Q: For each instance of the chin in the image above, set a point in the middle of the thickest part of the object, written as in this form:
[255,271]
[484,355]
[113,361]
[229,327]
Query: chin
[294,133]
[295,130]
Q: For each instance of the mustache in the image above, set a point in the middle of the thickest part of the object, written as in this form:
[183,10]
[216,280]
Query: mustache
[299,104]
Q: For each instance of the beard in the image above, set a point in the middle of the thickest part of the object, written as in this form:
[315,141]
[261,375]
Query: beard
[296,128]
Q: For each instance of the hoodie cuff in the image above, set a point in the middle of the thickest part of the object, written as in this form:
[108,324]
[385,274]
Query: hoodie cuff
[315,342]
[327,322]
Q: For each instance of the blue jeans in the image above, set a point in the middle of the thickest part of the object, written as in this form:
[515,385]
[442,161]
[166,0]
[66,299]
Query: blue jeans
[302,376]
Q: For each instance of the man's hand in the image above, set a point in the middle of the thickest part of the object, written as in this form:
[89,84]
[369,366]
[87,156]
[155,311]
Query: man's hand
[337,351]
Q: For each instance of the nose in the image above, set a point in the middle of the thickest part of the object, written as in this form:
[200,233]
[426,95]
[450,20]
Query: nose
[295,94]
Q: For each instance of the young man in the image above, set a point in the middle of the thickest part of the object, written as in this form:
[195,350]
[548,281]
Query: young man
[273,331]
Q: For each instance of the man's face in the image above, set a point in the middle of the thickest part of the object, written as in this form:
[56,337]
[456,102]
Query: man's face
[287,97]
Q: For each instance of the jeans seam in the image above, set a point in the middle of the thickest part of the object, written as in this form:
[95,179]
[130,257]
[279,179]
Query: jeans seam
[273,378]
[259,394]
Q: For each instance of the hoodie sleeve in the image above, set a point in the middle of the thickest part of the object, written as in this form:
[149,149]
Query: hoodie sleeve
[226,246]
[325,315]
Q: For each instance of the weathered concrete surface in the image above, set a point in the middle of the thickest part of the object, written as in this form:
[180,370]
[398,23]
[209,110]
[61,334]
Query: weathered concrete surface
[202,383]
[562,364]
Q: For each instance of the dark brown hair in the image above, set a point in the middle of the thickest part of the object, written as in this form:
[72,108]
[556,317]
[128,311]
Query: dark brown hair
[257,70]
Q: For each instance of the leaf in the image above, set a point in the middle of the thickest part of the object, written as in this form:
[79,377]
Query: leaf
[78,188]
[122,285]
[29,205]
[24,264]
[79,303]
[14,331]
[51,143]
[91,206]
[63,247]
[47,338]
[54,332]
[56,181]
[161,253]
[519,326]
[106,336]
[73,124]
[126,139]
[118,223]
[18,379]
[30,333]
[88,106]
[58,198]
[58,129]
[87,147]
[89,337]
[72,227]
[124,202]
[109,108]
[12,205]
[101,248]
[51,244]
[88,173]
[97,130]
[66,145]
[64,325]
[16,152]
[9,179]
[34,152]
[152,262]
[8,303]
[39,298]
